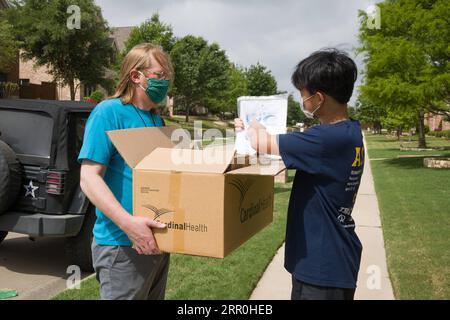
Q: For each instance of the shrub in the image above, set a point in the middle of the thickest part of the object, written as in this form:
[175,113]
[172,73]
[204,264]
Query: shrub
[440,134]
[8,89]
[97,96]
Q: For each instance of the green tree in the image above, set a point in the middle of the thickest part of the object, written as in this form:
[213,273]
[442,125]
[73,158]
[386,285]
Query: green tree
[261,82]
[369,113]
[399,121]
[152,31]
[408,58]
[69,53]
[201,72]
[9,45]
[352,112]
[226,100]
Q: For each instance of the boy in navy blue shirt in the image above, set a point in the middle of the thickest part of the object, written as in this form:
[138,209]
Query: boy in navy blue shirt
[323,251]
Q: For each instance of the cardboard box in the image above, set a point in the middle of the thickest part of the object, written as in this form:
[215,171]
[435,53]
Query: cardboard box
[210,207]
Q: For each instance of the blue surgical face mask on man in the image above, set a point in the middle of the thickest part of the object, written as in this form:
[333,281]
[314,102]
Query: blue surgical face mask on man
[156,89]
[309,114]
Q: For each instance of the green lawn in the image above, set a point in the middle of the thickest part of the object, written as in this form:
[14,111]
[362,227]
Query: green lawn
[201,278]
[415,211]
[207,123]
[382,146]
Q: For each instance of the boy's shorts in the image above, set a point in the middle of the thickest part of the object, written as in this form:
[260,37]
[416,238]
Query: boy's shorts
[304,291]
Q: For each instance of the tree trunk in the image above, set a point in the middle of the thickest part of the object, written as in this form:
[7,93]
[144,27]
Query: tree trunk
[377,128]
[72,89]
[169,105]
[422,141]
[187,113]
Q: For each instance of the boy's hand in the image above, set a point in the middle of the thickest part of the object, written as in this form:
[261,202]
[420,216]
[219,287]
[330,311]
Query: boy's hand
[261,140]
[239,125]
[254,132]
[256,126]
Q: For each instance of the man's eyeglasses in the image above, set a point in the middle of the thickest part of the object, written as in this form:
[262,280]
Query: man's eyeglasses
[159,75]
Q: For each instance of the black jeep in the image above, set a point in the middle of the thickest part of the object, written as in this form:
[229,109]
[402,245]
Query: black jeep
[40,192]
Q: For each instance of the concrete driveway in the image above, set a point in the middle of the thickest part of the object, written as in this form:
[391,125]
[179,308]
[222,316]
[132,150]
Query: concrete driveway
[36,269]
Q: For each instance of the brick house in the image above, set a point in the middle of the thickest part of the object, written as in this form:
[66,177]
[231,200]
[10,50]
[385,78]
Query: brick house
[13,74]
[35,82]
[433,122]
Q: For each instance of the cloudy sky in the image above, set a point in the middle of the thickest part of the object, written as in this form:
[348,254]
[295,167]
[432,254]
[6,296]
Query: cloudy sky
[276,33]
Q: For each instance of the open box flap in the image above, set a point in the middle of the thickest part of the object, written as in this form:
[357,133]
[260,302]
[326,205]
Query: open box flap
[210,160]
[134,144]
[274,168]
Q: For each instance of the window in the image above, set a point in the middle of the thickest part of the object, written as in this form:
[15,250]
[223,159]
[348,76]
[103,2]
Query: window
[24,82]
[77,123]
[27,133]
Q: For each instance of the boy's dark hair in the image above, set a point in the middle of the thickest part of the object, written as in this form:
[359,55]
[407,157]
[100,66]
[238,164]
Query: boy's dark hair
[331,71]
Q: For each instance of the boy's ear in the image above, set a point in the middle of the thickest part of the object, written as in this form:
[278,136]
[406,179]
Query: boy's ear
[321,97]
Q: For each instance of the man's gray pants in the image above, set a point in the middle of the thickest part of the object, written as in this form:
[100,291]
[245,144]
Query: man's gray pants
[123,274]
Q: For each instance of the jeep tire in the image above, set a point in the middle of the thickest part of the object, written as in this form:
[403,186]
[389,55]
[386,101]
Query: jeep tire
[78,248]
[3,235]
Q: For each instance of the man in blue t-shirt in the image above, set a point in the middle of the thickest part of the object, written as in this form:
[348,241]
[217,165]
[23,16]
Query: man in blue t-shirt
[126,257]
[323,251]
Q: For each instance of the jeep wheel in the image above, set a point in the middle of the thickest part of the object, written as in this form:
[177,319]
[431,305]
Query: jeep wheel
[3,235]
[78,248]
[10,177]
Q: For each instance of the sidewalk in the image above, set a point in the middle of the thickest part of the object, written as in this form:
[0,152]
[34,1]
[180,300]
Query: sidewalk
[373,279]
[36,269]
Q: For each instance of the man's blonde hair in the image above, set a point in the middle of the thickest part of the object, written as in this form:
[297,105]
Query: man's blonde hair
[140,58]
